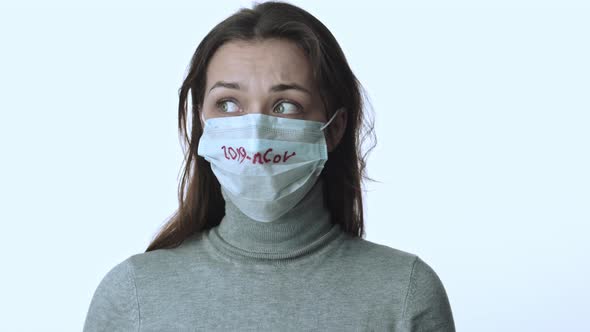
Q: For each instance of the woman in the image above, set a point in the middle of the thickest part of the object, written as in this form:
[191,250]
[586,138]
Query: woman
[268,235]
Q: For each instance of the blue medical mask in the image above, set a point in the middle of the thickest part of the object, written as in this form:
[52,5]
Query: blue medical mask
[265,164]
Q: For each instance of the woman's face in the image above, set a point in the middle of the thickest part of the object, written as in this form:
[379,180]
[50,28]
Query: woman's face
[271,77]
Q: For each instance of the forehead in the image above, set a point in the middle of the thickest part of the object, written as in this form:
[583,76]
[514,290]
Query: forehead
[267,61]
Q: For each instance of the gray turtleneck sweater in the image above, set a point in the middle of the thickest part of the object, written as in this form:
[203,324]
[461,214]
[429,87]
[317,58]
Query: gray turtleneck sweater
[298,273]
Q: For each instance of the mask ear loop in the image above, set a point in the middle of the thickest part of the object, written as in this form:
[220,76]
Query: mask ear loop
[341,109]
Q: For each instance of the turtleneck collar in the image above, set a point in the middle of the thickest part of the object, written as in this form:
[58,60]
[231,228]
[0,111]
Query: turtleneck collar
[302,230]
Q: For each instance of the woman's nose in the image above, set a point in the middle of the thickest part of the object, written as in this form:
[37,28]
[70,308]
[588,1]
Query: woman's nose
[258,109]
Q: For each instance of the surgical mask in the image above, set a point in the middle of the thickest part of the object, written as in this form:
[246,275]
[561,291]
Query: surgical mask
[265,164]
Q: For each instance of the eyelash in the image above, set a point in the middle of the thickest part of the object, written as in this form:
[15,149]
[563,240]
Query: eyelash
[278,102]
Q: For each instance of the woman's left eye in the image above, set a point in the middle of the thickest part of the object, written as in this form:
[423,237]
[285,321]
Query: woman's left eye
[285,107]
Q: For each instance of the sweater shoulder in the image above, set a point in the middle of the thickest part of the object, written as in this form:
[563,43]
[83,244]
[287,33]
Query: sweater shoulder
[152,263]
[367,252]
[382,268]
[423,301]
[427,305]
[114,305]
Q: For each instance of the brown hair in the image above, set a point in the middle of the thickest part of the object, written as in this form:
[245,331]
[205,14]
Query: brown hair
[201,205]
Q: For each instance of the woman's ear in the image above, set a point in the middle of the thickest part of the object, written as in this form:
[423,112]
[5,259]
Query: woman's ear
[336,130]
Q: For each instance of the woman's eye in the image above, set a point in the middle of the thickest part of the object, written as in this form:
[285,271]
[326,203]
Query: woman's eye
[286,108]
[227,106]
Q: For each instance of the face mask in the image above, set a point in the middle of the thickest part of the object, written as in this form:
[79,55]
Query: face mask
[265,164]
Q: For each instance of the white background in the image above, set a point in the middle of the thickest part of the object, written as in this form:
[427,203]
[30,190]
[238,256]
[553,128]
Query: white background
[482,119]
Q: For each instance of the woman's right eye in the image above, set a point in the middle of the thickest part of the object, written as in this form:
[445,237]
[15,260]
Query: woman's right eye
[225,106]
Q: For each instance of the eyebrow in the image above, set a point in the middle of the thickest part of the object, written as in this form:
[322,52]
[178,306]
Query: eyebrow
[274,88]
